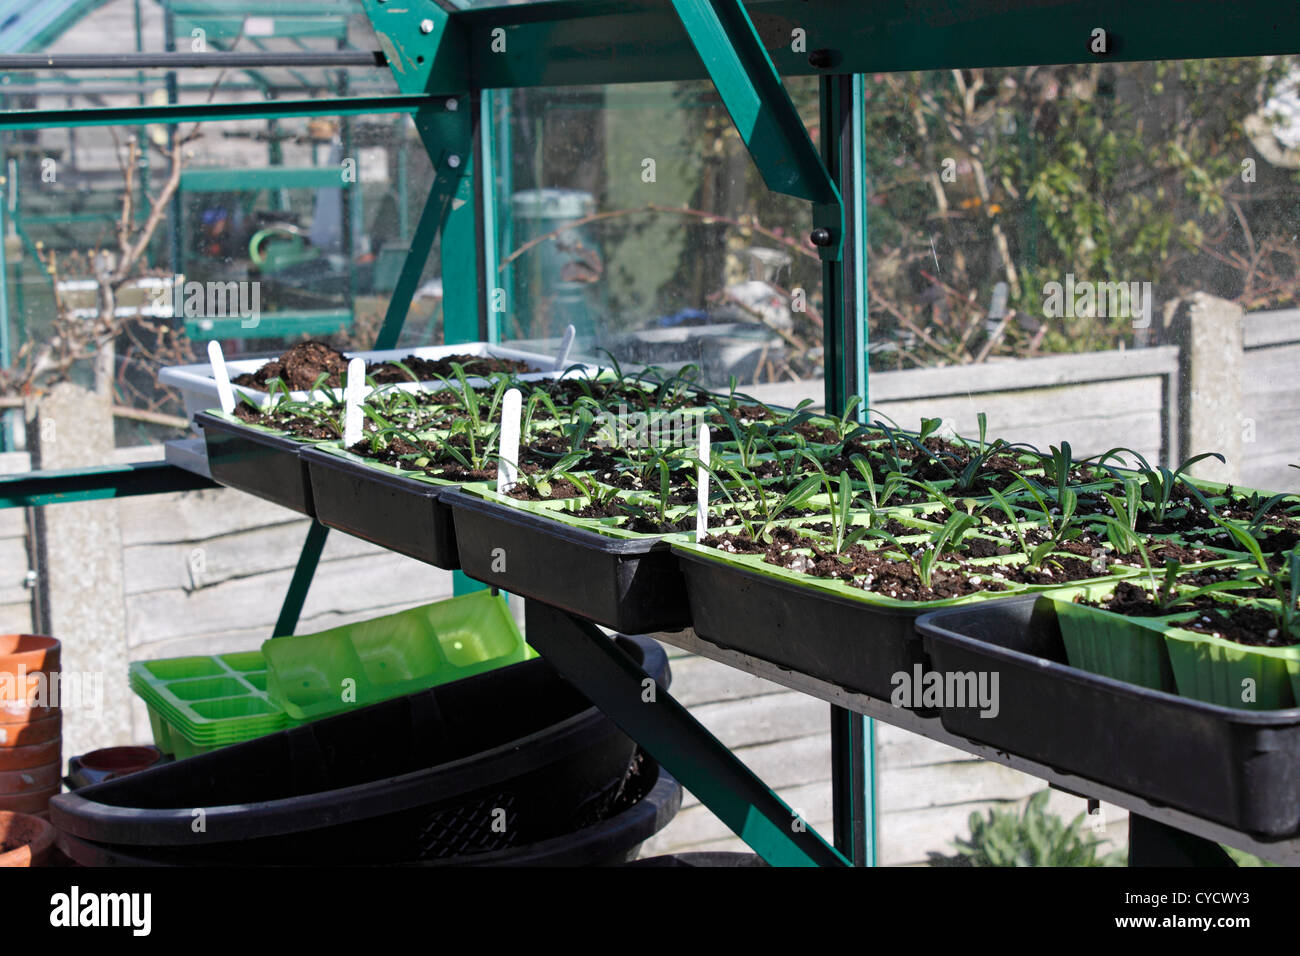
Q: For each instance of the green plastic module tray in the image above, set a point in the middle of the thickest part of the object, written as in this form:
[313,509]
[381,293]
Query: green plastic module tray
[315,675]
[197,704]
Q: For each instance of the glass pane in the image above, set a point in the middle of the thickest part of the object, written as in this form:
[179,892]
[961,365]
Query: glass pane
[1044,225]
[278,230]
[635,214]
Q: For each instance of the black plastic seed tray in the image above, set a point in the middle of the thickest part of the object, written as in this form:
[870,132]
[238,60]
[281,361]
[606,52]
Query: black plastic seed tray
[630,585]
[1236,767]
[257,462]
[853,644]
[401,514]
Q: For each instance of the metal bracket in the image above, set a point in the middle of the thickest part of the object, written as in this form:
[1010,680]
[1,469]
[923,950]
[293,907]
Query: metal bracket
[1151,843]
[427,49]
[724,37]
[591,662]
[37,488]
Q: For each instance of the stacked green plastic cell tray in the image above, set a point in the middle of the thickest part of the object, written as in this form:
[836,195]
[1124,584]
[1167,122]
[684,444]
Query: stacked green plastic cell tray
[315,675]
[197,704]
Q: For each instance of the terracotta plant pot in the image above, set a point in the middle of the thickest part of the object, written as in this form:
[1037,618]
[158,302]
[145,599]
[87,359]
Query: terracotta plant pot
[32,652]
[24,840]
[37,728]
[33,780]
[20,712]
[24,758]
[119,761]
[36,803]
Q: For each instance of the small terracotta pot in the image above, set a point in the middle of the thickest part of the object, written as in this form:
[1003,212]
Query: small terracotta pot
[32,780]
[33,652]
[30,837]
[19,712]
[24,733]
[24,758]
[119,761]
[36,803]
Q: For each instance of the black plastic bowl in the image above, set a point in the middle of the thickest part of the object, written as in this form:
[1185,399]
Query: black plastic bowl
[614,840]
[423,777]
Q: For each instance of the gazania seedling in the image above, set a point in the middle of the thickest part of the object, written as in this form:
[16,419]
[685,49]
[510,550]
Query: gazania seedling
[1159,482]
[1164,588]
[926,559]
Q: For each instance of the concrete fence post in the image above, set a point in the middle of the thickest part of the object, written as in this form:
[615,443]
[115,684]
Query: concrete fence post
[81,578]
[1209,334]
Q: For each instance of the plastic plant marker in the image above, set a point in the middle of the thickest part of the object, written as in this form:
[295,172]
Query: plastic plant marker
[352,396]
[566,345]
[702,487]
[508,461]
[225,393]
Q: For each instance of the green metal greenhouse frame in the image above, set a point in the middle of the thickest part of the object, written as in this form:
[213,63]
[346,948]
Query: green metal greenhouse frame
[446,61]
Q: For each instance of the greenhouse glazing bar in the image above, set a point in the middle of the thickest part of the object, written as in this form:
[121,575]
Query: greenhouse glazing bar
[216,112]
[218,60]
[586,42]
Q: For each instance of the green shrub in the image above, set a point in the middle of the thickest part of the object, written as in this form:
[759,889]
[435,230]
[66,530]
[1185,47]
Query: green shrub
[1032,838]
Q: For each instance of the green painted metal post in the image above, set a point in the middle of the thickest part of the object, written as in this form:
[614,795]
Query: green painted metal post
[349,201]
[176,215]
[463,299]
[4,302]
[844,311]
[300,583]
[486,172]
[449,138]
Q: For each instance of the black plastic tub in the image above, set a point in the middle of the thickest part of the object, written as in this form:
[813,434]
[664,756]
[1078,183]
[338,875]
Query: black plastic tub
[609,842]
[854,645]
[630,585]
[429,776]
[255,462]
[1236,767]
[401,514]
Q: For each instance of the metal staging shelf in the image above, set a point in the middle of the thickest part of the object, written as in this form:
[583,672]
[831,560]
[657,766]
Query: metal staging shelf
[1285,852]
[438,56]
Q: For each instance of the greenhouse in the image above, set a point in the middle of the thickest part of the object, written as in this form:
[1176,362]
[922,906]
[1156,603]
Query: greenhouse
[692,433]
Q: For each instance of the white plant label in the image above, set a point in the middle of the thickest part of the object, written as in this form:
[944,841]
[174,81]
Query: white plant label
[566,345]
[225,394]
[702,488]
[356,386]
[508,460]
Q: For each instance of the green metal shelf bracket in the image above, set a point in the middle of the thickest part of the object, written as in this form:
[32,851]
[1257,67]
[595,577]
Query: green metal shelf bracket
[427,50]
[592,663]
[37,488]
[725,39]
